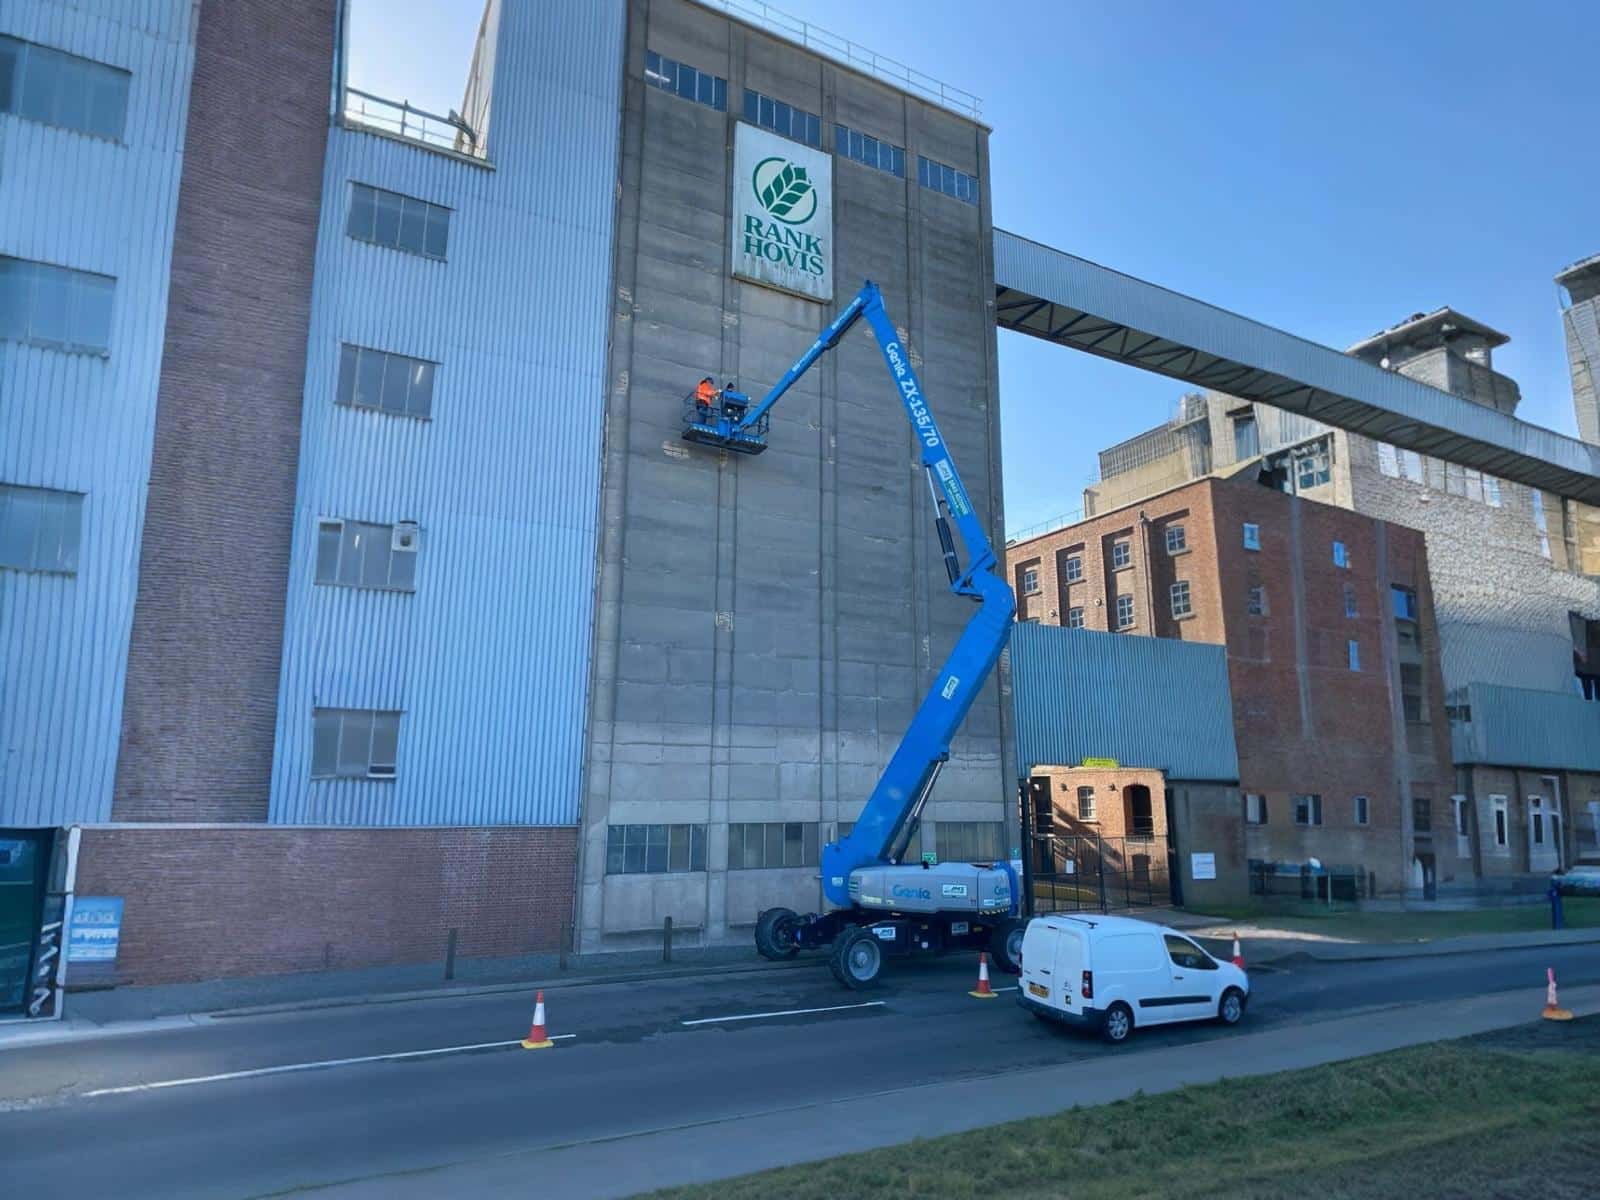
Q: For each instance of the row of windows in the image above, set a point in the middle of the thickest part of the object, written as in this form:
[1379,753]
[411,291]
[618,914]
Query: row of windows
[1177,540]
[1436,473]
[783,118]
[771,845]
[794,122]
[399,222]
[55,306]
[1306,808]
[685,81]
[61,89]
[40,529]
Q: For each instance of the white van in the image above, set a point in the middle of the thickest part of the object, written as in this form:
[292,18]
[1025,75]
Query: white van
[1112,974]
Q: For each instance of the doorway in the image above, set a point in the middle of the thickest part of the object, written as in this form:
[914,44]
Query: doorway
[24,873]
[1138,817]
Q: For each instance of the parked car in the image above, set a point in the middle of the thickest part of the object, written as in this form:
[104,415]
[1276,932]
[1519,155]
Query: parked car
[1112,975]
[1582,878]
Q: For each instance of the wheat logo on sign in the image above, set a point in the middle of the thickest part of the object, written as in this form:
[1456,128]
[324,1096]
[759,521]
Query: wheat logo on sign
[784,190]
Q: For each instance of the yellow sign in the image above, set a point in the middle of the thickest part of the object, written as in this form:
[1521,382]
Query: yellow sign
[1108,764]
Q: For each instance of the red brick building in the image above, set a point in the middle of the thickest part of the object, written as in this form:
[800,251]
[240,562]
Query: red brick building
[1333,660]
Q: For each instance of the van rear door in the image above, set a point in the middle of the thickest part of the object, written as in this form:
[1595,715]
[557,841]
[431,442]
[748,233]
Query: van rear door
[1068,969]
[1038,963]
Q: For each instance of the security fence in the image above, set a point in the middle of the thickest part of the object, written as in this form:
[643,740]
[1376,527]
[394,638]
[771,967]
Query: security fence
[1072,873]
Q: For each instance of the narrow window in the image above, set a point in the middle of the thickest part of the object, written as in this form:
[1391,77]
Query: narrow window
[1308,810]
[1255,808]
[1252,536]
[1340,558]
[1361,810]
[1351,608]
[1246,441]
[1498,804]
[1074,618]
[1074,570]
[1353,649]
[1491,491]
[1388,460]
[40,529]
[1121,555]
[1177,540]
[1086,804]
[1422,814]
[1257,605]
[1124,612]
[1030,580]
[1540,525]
[1180,599]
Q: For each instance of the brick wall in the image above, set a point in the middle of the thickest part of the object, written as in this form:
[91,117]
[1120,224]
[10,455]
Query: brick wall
[214,902]
[201,694]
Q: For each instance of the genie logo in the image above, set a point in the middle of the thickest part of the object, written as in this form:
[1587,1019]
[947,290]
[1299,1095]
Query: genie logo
[912,394]
[901,892]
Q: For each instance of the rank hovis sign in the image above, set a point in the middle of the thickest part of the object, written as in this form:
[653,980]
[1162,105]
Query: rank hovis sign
[782,213]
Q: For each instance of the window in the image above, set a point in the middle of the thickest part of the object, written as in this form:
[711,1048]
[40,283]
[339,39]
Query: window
[756,845]
[1246,439]
[1340,557]
[1074,618]
[1177,540]
[782,118]
[353,743]
[685,81]
[1411,466]
[1491,491]
[1361,810]
[1388,460]
[1257,604]
[399,222]
[864,148]
[951,182]
[1498,804]
[1121,555]
[1474,485]
[40,529]
[1536,819]
[1086,803]
[1541,527]
[1187,955]
[1422,814]
[1404,602]
[1030,580]
[1311,469]
[62,89]
[1411,693]
[55,306]
[1252,536]
[1353,652]
[1308,810]
[970,841]
[655,849]
[1351,608]
[391,383]
[1124,612]
[1180,599]
[356,554]
[1255,808]
[1074,568]
[1460,805]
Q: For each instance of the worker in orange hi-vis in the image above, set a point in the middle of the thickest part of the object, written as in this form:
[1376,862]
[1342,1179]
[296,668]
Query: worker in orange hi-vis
[705,393]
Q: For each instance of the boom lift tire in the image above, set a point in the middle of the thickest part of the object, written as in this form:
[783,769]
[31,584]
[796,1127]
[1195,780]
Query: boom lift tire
[855,958]
[775,934]
[1005,945]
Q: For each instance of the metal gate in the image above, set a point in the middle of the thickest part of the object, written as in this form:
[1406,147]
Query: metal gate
[1072,873]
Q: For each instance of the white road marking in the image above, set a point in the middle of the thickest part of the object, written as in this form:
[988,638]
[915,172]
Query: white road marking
[311,1066]
[788,1012]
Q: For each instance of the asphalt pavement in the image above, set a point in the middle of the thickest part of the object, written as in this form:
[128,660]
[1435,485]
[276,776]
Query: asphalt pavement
[372,1094]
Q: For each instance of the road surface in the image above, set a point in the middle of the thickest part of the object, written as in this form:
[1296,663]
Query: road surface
[240,1107]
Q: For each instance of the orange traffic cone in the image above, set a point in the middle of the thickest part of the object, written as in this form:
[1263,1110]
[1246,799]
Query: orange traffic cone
[1552,1008]
[537,1038]
[984,992]
[1238,957]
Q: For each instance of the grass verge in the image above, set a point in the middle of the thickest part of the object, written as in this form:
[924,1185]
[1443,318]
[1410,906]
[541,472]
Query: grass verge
[1512,1115]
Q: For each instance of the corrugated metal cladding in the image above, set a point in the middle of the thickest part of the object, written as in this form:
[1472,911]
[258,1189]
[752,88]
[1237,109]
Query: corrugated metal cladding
[1146,702]
[1255,361]
[1516,727]
[488,659]
[81,422]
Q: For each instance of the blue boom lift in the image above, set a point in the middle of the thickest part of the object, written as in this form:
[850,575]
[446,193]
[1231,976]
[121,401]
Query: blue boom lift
[885,907]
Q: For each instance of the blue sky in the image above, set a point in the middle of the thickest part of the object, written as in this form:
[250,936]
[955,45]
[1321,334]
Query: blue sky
[1326,168]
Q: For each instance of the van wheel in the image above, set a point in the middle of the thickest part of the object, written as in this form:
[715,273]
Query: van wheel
[1005,946]
[855,958]
[1118,1024]
[1231,1007]
[775,934]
